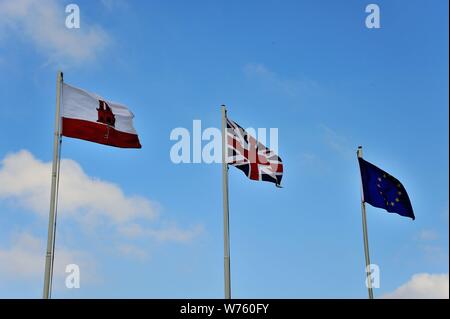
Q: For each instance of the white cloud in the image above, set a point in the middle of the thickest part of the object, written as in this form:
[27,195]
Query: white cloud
[173,233]
[257,69]
[26,180]
[308,160]
[170,233]
[434,253]
[89,201]
[336,142]
[132,251]
[291,87]
[428,235]
[25,259]
[428,243]
[132,230]
[423,286]
[43,23]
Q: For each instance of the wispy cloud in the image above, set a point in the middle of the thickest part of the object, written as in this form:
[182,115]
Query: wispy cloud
[170,233]
[312,162]
[428,242]
[423,286]
[434,253]
[335,141]
[42,22]
[132,251]
[24,258]
[173,233]
[290,87]
[309,158]
[25,179]
[427,235]
[89,201]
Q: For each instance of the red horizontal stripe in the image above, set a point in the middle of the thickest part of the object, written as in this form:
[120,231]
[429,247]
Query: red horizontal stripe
[98,133]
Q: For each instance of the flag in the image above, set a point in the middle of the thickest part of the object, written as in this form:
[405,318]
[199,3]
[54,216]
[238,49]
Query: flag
[384,191]
[252,157]
[90,117]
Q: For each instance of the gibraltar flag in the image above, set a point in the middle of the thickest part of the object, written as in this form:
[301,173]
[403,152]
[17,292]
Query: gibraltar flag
[89,117]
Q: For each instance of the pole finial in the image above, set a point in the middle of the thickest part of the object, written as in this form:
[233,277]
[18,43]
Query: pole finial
[59,76]
[224,109]
[359,151]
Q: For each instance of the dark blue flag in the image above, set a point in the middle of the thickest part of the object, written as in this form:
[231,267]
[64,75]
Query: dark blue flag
[384,191]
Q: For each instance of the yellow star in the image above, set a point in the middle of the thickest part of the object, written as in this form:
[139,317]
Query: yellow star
[397,200]
[392,203]
[399,193]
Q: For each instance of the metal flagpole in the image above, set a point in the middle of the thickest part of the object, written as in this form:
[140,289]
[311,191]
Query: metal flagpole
[53,197]
[226,224]
[365,234]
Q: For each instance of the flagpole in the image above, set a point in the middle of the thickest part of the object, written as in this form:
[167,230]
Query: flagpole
[226,223]
[366,236]
[49,257]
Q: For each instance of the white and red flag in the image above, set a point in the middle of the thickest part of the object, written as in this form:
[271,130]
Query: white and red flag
[90,117]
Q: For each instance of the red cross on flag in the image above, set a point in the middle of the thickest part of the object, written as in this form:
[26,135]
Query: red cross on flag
[252,157]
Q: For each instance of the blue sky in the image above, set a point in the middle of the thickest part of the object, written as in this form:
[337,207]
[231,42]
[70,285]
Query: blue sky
[309,68]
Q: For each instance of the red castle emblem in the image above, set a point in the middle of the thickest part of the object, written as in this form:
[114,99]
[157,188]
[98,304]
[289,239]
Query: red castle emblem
[105,114]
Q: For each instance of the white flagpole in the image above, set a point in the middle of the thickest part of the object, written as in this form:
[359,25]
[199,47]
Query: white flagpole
[49,257]
[226,224]
[365,234]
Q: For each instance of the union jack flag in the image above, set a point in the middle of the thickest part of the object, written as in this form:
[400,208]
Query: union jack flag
[252,157]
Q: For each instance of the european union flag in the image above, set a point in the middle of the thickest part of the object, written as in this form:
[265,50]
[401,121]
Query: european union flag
[384,191]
